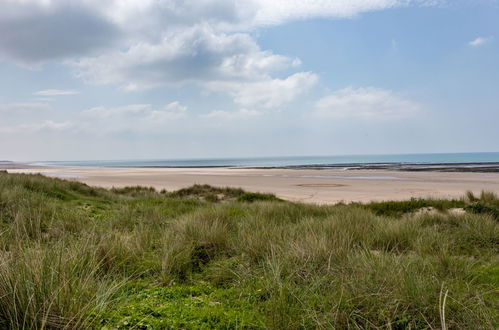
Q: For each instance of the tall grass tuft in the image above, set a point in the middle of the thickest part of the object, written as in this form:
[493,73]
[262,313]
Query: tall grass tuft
[58,287]
[73,256]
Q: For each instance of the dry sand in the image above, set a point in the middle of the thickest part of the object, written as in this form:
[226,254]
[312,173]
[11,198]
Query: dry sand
[310,186]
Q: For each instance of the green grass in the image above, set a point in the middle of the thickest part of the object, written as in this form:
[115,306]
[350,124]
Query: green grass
[200,306]
[398,208]
[74,256]
[487,203]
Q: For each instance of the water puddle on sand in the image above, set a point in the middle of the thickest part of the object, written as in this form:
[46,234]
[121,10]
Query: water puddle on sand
[66,175]
[341,177]
[321,185]
[391,178]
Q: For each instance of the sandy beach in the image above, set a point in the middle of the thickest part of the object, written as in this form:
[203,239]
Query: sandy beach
[309,186]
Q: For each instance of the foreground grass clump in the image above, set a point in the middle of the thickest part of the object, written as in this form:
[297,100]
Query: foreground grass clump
[73,256]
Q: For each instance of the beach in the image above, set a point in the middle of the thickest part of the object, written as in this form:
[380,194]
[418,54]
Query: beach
[325,186]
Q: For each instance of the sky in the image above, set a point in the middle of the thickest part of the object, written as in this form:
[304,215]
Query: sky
[169,79]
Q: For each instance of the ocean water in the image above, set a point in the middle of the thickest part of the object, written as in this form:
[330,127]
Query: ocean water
[434,159]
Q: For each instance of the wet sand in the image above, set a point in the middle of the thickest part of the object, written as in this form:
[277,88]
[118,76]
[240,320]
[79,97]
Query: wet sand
[327,186]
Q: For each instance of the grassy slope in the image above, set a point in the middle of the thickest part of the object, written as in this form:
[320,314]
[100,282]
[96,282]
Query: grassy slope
[75,256]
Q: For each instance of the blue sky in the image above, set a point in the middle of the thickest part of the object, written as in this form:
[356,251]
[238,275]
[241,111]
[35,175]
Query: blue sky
[205,78]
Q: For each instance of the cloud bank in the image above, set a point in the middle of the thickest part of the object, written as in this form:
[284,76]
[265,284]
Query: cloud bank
[150,43]
[367,103]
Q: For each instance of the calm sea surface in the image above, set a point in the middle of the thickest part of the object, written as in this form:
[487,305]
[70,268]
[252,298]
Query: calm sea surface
[290,161]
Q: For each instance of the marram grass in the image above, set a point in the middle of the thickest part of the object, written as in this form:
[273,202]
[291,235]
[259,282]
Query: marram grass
[73,256]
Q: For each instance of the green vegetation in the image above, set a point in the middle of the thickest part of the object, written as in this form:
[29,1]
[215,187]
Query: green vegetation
[488,203]
[398,208]
[73,256]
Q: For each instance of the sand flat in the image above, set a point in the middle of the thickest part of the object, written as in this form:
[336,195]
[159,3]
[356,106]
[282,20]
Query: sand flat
[310,186]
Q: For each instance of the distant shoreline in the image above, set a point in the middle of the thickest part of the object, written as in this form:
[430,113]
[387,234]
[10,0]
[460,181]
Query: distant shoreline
[484,167]
[10,165]
[452,162]
[467,167]
[477,167]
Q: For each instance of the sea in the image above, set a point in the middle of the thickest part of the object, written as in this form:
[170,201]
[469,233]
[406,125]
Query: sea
[476,160]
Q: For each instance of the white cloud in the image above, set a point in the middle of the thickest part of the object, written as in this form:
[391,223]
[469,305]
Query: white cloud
[171,111]
[55,92]
[280,11]
[175,107]
[175,42]
[197,54]
[135,117]
[48,125]
[237,15]
[365,103]
[232,115]
[17,108]
[14,116]
[149,43]
[28,117]
[480,41]
[135,110]
[267,93]
[45,125]
[125,111]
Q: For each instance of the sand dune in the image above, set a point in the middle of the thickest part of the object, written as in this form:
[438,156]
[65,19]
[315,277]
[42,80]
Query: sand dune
[311,186]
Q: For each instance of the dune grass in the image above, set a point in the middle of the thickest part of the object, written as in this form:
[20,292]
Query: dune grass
[73,256]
